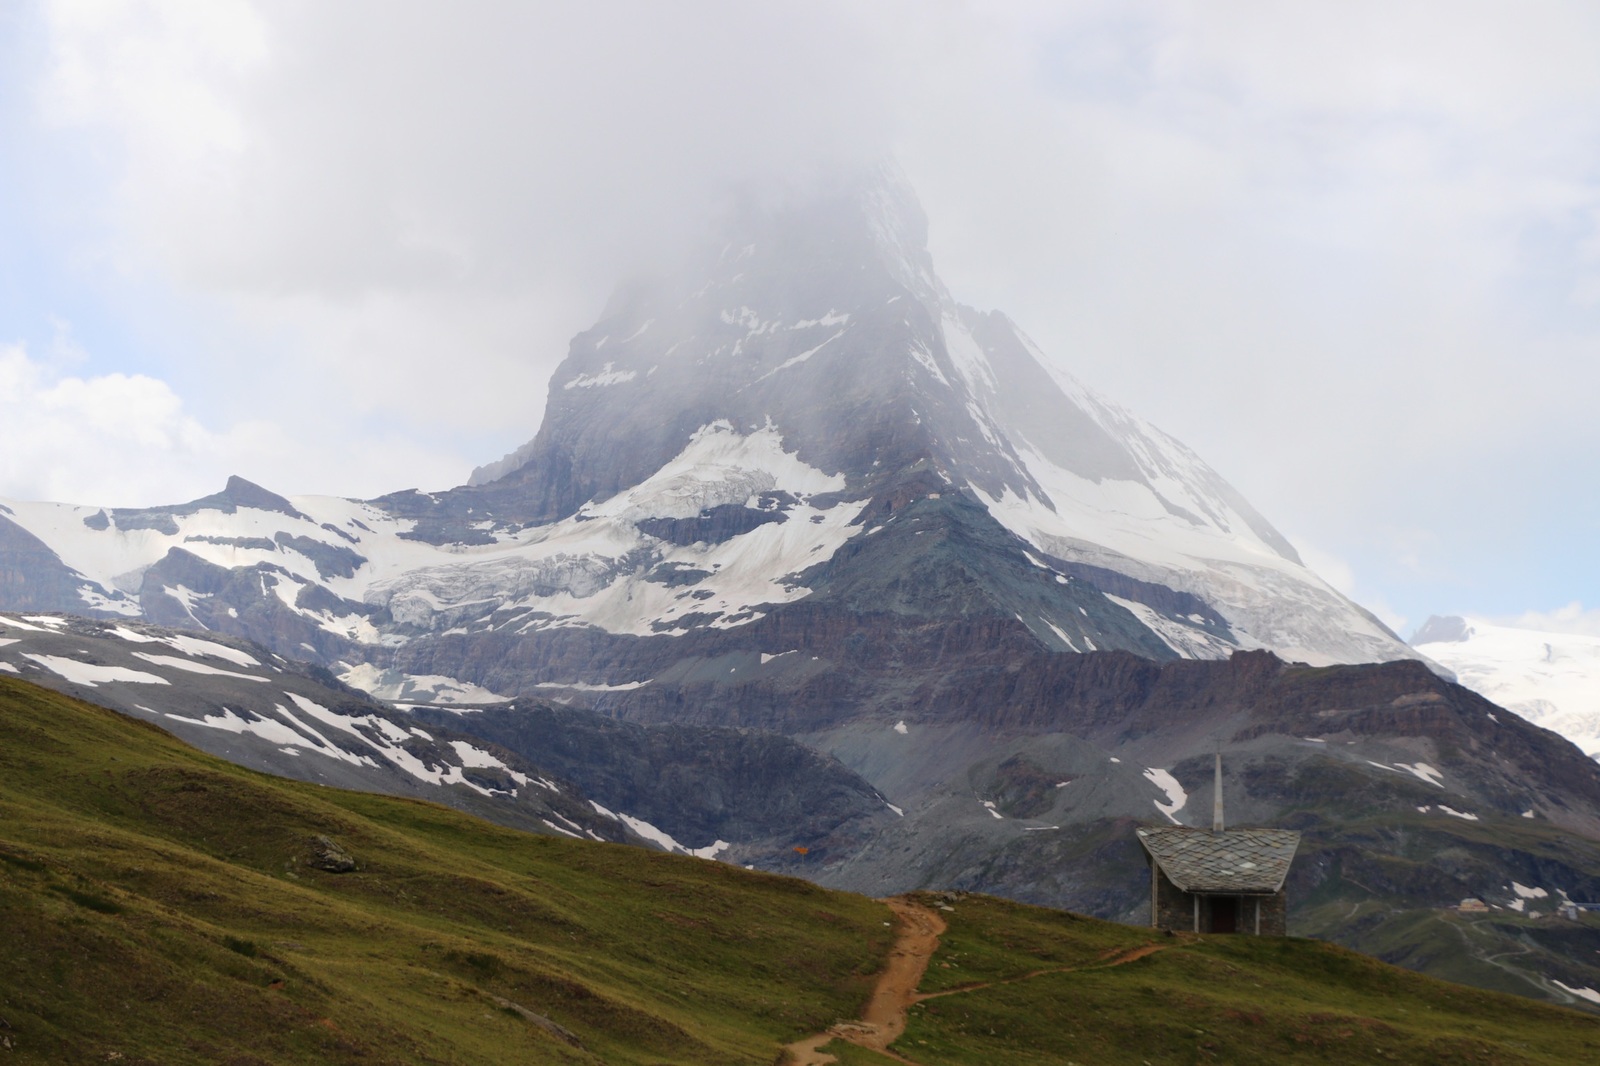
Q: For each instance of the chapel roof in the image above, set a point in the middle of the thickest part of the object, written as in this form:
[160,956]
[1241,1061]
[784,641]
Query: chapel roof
[1233,860]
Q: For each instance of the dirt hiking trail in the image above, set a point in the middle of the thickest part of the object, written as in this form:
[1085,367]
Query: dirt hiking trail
[917,933]
[883,1020]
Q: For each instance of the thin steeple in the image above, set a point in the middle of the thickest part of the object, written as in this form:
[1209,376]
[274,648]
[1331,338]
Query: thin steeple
[1216,799]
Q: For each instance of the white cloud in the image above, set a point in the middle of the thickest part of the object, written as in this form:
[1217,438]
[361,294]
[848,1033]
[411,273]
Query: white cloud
[1349,254]
[127,440]
[1573,618]
[91,439]
[414,209]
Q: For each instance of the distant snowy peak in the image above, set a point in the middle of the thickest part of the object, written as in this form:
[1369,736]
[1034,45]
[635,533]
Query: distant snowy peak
[1551,679]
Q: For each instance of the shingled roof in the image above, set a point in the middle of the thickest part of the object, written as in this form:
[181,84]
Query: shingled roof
[1232,861]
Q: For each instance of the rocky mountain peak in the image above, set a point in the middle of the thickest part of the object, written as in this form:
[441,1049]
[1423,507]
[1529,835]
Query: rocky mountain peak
[815,328]
[806,415]
[1441,629]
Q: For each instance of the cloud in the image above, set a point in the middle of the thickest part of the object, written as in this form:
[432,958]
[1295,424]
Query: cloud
[394,201]
[1350,255]
[89,439]
[127,440]
[1573,618]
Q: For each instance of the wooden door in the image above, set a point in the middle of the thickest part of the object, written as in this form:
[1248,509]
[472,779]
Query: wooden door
[1224,914]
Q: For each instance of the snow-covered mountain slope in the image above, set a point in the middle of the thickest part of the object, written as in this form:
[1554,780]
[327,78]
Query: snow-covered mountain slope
[757,433]
[724,793]
[1551,679]
[826,324]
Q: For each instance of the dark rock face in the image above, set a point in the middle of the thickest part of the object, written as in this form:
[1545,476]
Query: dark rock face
[257,543]
[331,560]
[711,526]
[185,591]
[764,791]
[895,620]
[236,494]
[1440,630]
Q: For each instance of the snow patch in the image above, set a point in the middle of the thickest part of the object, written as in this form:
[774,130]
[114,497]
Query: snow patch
[92,676]
[1423,771]
[1062,634]
[584,686]
[656,836]
[900,727]
[209,649]
[1176,796]
[796,360]
[188,597]
[607,376]
[417,688]
[271,730]
[477,757]
[192,667]
[1582,992]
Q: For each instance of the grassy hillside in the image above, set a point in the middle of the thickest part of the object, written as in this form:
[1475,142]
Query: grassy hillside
[1027,986]
[159,905]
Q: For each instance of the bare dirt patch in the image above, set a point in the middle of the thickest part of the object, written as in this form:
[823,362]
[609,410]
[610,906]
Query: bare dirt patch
[883,1020]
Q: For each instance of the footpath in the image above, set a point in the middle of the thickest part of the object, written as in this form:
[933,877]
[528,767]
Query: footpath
[917,933]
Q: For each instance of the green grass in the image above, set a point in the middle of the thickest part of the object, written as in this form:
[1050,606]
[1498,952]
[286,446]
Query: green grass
[1222,999]
[850,1055]
[157,906]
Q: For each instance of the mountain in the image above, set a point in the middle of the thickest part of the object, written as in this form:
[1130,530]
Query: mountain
[162,906]
[796,515]
[1551,679]
[742,797]
[715,450]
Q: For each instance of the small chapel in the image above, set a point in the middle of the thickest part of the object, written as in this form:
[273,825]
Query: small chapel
[1219,880]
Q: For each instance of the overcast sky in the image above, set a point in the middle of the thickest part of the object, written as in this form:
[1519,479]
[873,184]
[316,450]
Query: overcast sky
[1348,252]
